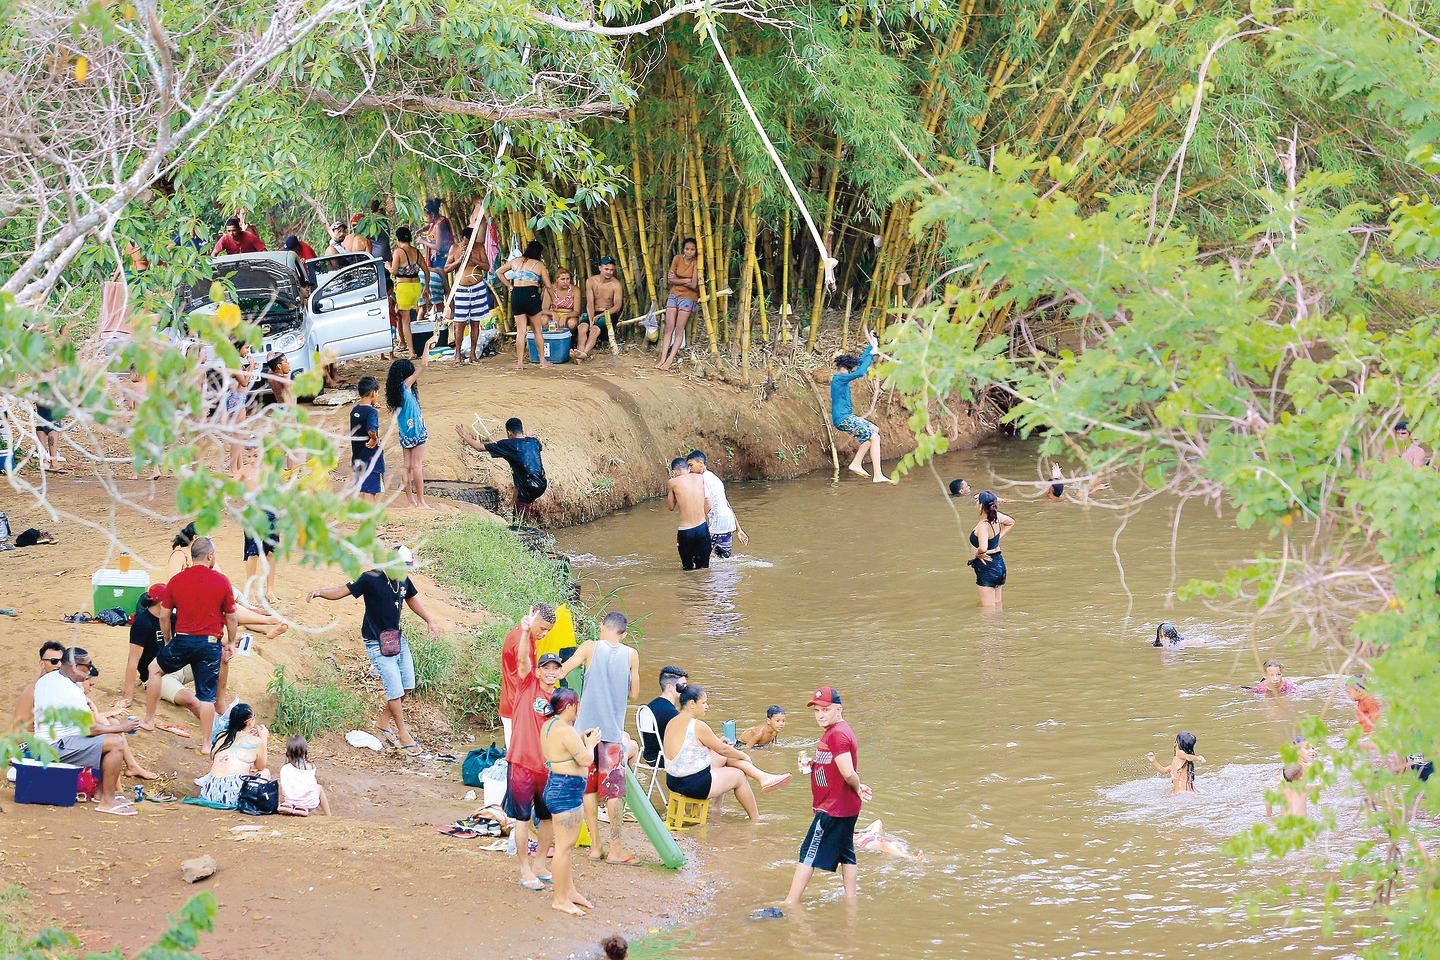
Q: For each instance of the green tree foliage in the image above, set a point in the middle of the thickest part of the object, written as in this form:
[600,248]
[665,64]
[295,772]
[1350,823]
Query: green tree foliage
[1263,376]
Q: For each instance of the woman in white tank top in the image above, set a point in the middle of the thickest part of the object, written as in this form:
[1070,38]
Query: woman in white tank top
[701,766]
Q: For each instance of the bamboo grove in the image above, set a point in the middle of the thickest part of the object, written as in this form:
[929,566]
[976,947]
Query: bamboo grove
[859,99]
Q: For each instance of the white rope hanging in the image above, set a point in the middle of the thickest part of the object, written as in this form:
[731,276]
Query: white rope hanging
[826,260]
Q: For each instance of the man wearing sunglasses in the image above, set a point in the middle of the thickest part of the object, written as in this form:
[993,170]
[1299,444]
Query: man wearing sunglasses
[51,653]
[82,742]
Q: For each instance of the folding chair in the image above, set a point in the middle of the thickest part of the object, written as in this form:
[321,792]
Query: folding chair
[645,723]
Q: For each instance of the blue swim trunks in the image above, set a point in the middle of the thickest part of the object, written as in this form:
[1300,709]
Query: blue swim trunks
[857,427]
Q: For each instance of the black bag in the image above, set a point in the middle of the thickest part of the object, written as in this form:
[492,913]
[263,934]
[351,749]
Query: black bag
[258,796]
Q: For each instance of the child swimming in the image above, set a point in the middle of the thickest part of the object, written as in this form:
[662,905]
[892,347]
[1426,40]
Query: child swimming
[1292,793]
[1167,636]
[875,840]
[1181,769]
[764,734]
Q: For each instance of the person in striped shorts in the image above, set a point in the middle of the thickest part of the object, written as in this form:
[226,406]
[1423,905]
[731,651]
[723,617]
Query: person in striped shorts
[474,303]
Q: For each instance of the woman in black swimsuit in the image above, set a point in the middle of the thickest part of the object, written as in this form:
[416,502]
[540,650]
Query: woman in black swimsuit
[406,265]
[988,563]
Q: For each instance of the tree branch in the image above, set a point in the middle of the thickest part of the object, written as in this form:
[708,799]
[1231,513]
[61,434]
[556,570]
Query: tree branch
[414,103]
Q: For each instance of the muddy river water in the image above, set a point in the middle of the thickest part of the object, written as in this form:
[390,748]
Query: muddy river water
[1008,748]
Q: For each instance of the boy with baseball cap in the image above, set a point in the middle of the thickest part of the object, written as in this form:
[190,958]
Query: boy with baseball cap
[837,793]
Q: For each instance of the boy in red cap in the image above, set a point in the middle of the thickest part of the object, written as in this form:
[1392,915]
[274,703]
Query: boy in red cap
[837,793]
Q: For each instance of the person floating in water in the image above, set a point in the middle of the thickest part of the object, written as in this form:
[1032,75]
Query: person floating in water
[959,488]
[1056,490]
[874,839]
[1275,683]
[842,411]
[764,734]
[687,495]
[1292,793]
[1181,769]
[989,564]
[1166,635]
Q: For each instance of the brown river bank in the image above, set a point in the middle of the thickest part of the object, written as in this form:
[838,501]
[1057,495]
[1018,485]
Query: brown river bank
[375,878]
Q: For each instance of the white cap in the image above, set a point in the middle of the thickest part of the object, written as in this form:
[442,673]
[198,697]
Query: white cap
[406,557]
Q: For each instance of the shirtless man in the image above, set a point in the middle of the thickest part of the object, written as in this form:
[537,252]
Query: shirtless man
[355,243]
[687,494]
[1292,793]
[603,298]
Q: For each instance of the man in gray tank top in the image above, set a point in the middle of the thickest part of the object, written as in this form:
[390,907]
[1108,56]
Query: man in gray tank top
[612,680]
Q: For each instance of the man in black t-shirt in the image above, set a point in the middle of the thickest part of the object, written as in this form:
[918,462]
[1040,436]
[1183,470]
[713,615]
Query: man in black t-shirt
[523,455]
[384,598]
[665,708]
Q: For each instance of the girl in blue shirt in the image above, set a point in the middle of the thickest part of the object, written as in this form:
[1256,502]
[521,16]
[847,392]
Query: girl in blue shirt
[402,395]
[842,413]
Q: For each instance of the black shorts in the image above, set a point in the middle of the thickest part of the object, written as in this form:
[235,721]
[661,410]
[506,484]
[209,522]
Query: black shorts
[270,541]
[829,842]
[694,547]
[696,786]
[44,419]
[525,301]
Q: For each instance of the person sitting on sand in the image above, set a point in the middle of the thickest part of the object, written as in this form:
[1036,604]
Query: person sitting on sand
[52,653]
[239,753]
[1293,799]
[1167,636]
[87,743]
[701,766]
[875,840]
[1274,683]
[569,755]
[132,767]
[1181,769]
[842,411]
[300,790]
[1367,706]
[764,734]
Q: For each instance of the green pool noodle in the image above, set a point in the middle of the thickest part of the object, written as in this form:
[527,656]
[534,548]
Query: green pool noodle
[655,829]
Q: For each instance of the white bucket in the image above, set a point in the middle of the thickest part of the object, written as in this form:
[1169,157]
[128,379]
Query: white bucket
[493,780]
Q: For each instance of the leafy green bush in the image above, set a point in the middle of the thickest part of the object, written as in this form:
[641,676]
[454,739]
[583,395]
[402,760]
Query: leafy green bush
[462,674]
[486,562]
[312,708]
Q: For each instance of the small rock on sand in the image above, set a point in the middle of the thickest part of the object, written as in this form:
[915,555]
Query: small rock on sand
[197,868]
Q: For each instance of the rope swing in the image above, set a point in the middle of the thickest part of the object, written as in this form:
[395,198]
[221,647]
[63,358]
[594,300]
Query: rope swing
[827,261]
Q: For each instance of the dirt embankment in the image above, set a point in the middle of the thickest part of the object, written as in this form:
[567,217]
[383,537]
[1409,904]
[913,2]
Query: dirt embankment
[612,425]
[373,880]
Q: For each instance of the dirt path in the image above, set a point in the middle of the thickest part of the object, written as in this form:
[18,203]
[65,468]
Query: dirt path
[371,880]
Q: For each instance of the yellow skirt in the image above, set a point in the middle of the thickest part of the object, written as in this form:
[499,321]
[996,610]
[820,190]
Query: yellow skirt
[407,294]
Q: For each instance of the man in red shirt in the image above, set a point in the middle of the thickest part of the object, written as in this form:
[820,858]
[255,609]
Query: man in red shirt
[204,610]
[525,782]
[534,626]
[837,793]
[237,237]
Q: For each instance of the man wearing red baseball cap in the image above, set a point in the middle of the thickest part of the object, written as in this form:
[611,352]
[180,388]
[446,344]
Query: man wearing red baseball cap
[837,794]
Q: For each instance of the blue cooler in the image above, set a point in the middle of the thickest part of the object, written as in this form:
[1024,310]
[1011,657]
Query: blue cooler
[55,784]
[557,345]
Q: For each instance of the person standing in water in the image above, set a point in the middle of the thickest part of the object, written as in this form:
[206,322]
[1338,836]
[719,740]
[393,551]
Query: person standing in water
[1275,683]
[684,280]
[1293,800]
[402,395]
[568,754]
[842,410]
[1181,769]
[687,495]
[837,795]
[724,525]
[612,680]
[988,562]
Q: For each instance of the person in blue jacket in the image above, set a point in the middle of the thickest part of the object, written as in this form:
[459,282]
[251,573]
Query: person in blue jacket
[842,413]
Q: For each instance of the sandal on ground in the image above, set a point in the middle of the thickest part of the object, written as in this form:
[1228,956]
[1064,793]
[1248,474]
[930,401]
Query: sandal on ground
[458,833]
[174,729]
[119,810]
[536,885]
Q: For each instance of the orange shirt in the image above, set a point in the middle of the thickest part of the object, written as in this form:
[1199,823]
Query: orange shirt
[1367,712]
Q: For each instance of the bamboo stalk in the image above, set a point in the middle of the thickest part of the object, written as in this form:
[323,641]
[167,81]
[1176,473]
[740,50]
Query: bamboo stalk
[818,306]
[747,274]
